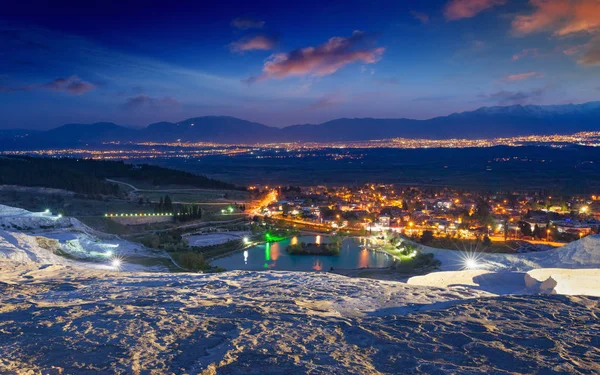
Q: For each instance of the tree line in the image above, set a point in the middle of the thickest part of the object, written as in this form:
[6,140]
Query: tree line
[87,176]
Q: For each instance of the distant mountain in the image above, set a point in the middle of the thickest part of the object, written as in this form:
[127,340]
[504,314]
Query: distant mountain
[219,129]
[485,122]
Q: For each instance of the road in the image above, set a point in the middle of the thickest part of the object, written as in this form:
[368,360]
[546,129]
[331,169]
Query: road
[137,190]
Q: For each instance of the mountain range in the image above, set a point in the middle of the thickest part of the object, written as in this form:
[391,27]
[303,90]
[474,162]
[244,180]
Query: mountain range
[485,122]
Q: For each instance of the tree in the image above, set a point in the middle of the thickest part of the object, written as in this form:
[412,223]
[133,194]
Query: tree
[168,205]
[426,237]
[486,241]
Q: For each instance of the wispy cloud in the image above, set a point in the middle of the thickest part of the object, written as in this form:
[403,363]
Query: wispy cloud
[592,55]
[561,17]
[522,76]
[245,23]
[323,60]
[421,16]
[514,97]
[528,52]
[575,50]
[71,85]
[327,101]
[458,9]
[143,101]
[254,43]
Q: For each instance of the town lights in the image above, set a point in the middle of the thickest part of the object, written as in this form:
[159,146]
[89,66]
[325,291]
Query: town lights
[246,240]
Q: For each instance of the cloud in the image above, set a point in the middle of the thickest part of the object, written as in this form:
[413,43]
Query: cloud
[514,97]
[323,60]
[575,50]
[592,55]
[528,52]
[244,23]
[423,17]
[71,85]
[523,76]
[143,101]
[254,43]
[326,101]
[458,9]
[561,17]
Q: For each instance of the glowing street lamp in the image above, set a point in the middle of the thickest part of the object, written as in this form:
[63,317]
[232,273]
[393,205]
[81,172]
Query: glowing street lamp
[116,263]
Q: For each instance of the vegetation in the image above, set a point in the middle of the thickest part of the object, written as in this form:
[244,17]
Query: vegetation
[86,176]
[314,249]
[191,260]
[52,173]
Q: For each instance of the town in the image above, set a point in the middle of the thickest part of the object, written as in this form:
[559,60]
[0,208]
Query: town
[421,212]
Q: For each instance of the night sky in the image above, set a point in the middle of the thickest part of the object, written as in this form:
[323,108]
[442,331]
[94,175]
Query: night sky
[286,62]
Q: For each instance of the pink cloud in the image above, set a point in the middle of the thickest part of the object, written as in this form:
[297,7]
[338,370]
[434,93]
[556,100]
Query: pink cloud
[457,9]
[523,76]
[528,52]
[71,85]
[323,60]
[561,17]
[258,42]
[423,17]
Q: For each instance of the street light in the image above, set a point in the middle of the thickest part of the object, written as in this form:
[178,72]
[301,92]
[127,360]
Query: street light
[547,234]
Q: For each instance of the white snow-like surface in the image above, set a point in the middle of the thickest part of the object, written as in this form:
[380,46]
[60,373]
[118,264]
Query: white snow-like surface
[83,245]
[584,253]
[573,269]
[544,280]
[66,320]
[211,239]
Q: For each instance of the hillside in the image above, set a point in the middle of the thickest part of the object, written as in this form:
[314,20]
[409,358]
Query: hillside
[87,176]
[485,122]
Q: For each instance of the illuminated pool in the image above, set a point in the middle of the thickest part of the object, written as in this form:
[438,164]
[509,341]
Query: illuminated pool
[272,256]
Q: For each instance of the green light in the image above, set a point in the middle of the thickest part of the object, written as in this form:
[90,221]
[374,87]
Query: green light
[267,252]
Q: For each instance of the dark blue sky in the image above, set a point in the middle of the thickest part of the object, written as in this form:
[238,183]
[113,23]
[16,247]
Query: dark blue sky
[283,63]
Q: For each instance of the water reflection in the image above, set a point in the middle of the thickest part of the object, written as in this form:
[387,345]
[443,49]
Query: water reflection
[354,254]
[363,258]
[275,252]
[317,265]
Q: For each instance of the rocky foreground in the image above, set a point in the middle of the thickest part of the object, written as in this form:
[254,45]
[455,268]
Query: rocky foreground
[63,320]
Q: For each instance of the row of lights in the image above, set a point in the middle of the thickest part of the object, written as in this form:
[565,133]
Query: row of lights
[167,214]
